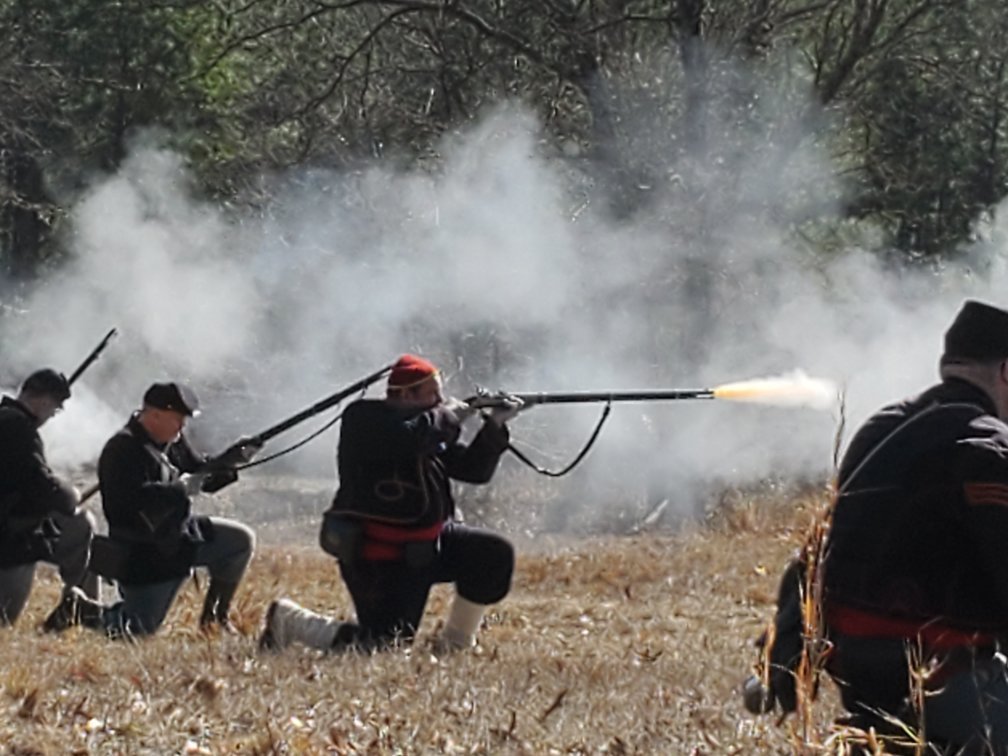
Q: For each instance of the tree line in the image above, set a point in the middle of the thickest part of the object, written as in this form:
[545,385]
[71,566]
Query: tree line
[907,96]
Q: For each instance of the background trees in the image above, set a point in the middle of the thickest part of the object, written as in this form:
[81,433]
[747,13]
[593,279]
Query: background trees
[908,96]
[77,79]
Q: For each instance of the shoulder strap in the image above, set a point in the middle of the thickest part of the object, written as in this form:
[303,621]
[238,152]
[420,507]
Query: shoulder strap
[168,471]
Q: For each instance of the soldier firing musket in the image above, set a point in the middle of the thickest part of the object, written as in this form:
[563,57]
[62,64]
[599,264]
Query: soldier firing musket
[392,525]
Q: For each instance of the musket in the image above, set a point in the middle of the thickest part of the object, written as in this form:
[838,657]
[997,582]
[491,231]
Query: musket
[232,456]
[91,357]
[487,400]
[794,390]
[322,405]
[484,399]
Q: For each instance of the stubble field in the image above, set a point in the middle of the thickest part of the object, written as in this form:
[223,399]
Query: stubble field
[610,644]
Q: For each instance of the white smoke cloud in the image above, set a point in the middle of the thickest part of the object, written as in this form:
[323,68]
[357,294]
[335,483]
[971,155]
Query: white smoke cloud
[486,267]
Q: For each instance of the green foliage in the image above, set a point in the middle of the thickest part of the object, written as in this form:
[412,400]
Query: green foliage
[674,95]
[90,75]
[927,137]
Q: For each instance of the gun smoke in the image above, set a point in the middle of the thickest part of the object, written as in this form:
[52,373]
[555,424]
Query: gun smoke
[499,269]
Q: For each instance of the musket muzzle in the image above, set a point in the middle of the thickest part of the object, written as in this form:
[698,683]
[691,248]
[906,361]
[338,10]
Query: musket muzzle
[91,357]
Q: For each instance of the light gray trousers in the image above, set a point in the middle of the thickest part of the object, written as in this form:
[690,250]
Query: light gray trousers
[143,608]
[70,555]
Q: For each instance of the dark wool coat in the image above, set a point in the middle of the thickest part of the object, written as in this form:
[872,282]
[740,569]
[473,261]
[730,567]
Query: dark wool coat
[396,465]
[920,526]
[29,490]
[146,506]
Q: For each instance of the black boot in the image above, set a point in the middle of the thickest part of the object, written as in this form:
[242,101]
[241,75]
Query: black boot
[75,608]
[217,604]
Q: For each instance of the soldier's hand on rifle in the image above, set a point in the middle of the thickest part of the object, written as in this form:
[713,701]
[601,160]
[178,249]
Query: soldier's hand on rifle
[459,410]
[247,448]
[508,407]
[192,482]
[240,452]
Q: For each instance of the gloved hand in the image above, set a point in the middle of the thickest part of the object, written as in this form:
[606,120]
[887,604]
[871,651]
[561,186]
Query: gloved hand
[192,482]
[508,408]
[219,479]
[458,409]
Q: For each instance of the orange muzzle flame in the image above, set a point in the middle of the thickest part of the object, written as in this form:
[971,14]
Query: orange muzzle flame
[793,390]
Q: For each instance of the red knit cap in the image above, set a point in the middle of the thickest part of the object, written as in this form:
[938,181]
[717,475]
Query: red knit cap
[410,371]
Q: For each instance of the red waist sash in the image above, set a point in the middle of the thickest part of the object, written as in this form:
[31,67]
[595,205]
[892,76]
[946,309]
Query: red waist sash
[385,542]
[933,635]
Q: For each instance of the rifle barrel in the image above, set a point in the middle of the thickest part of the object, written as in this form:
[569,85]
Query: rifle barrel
[91,357]
[587,397]
[321,406]
[88,492]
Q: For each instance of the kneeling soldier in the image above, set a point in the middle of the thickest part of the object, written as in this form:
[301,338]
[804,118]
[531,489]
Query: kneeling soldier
[147,473]
[39,515]
[391,524]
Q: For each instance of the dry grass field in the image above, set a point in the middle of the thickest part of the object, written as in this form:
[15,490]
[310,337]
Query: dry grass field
[632,644]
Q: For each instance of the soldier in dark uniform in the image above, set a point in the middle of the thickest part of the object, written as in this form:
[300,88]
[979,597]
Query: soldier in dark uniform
[148,474]
[39,515]
[392,526]
[915,575]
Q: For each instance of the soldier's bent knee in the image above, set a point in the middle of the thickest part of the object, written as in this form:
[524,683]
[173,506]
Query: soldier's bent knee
[493,580]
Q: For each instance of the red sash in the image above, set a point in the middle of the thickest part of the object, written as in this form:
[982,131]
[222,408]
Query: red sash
[384,543]
[933,635]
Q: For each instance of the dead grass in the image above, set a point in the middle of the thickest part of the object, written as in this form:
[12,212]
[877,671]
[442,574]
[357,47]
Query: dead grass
[606,645]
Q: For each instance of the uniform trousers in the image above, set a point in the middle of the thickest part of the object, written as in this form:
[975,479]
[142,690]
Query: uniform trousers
[389,595]
[966,708]
[70,555]
[144,606]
